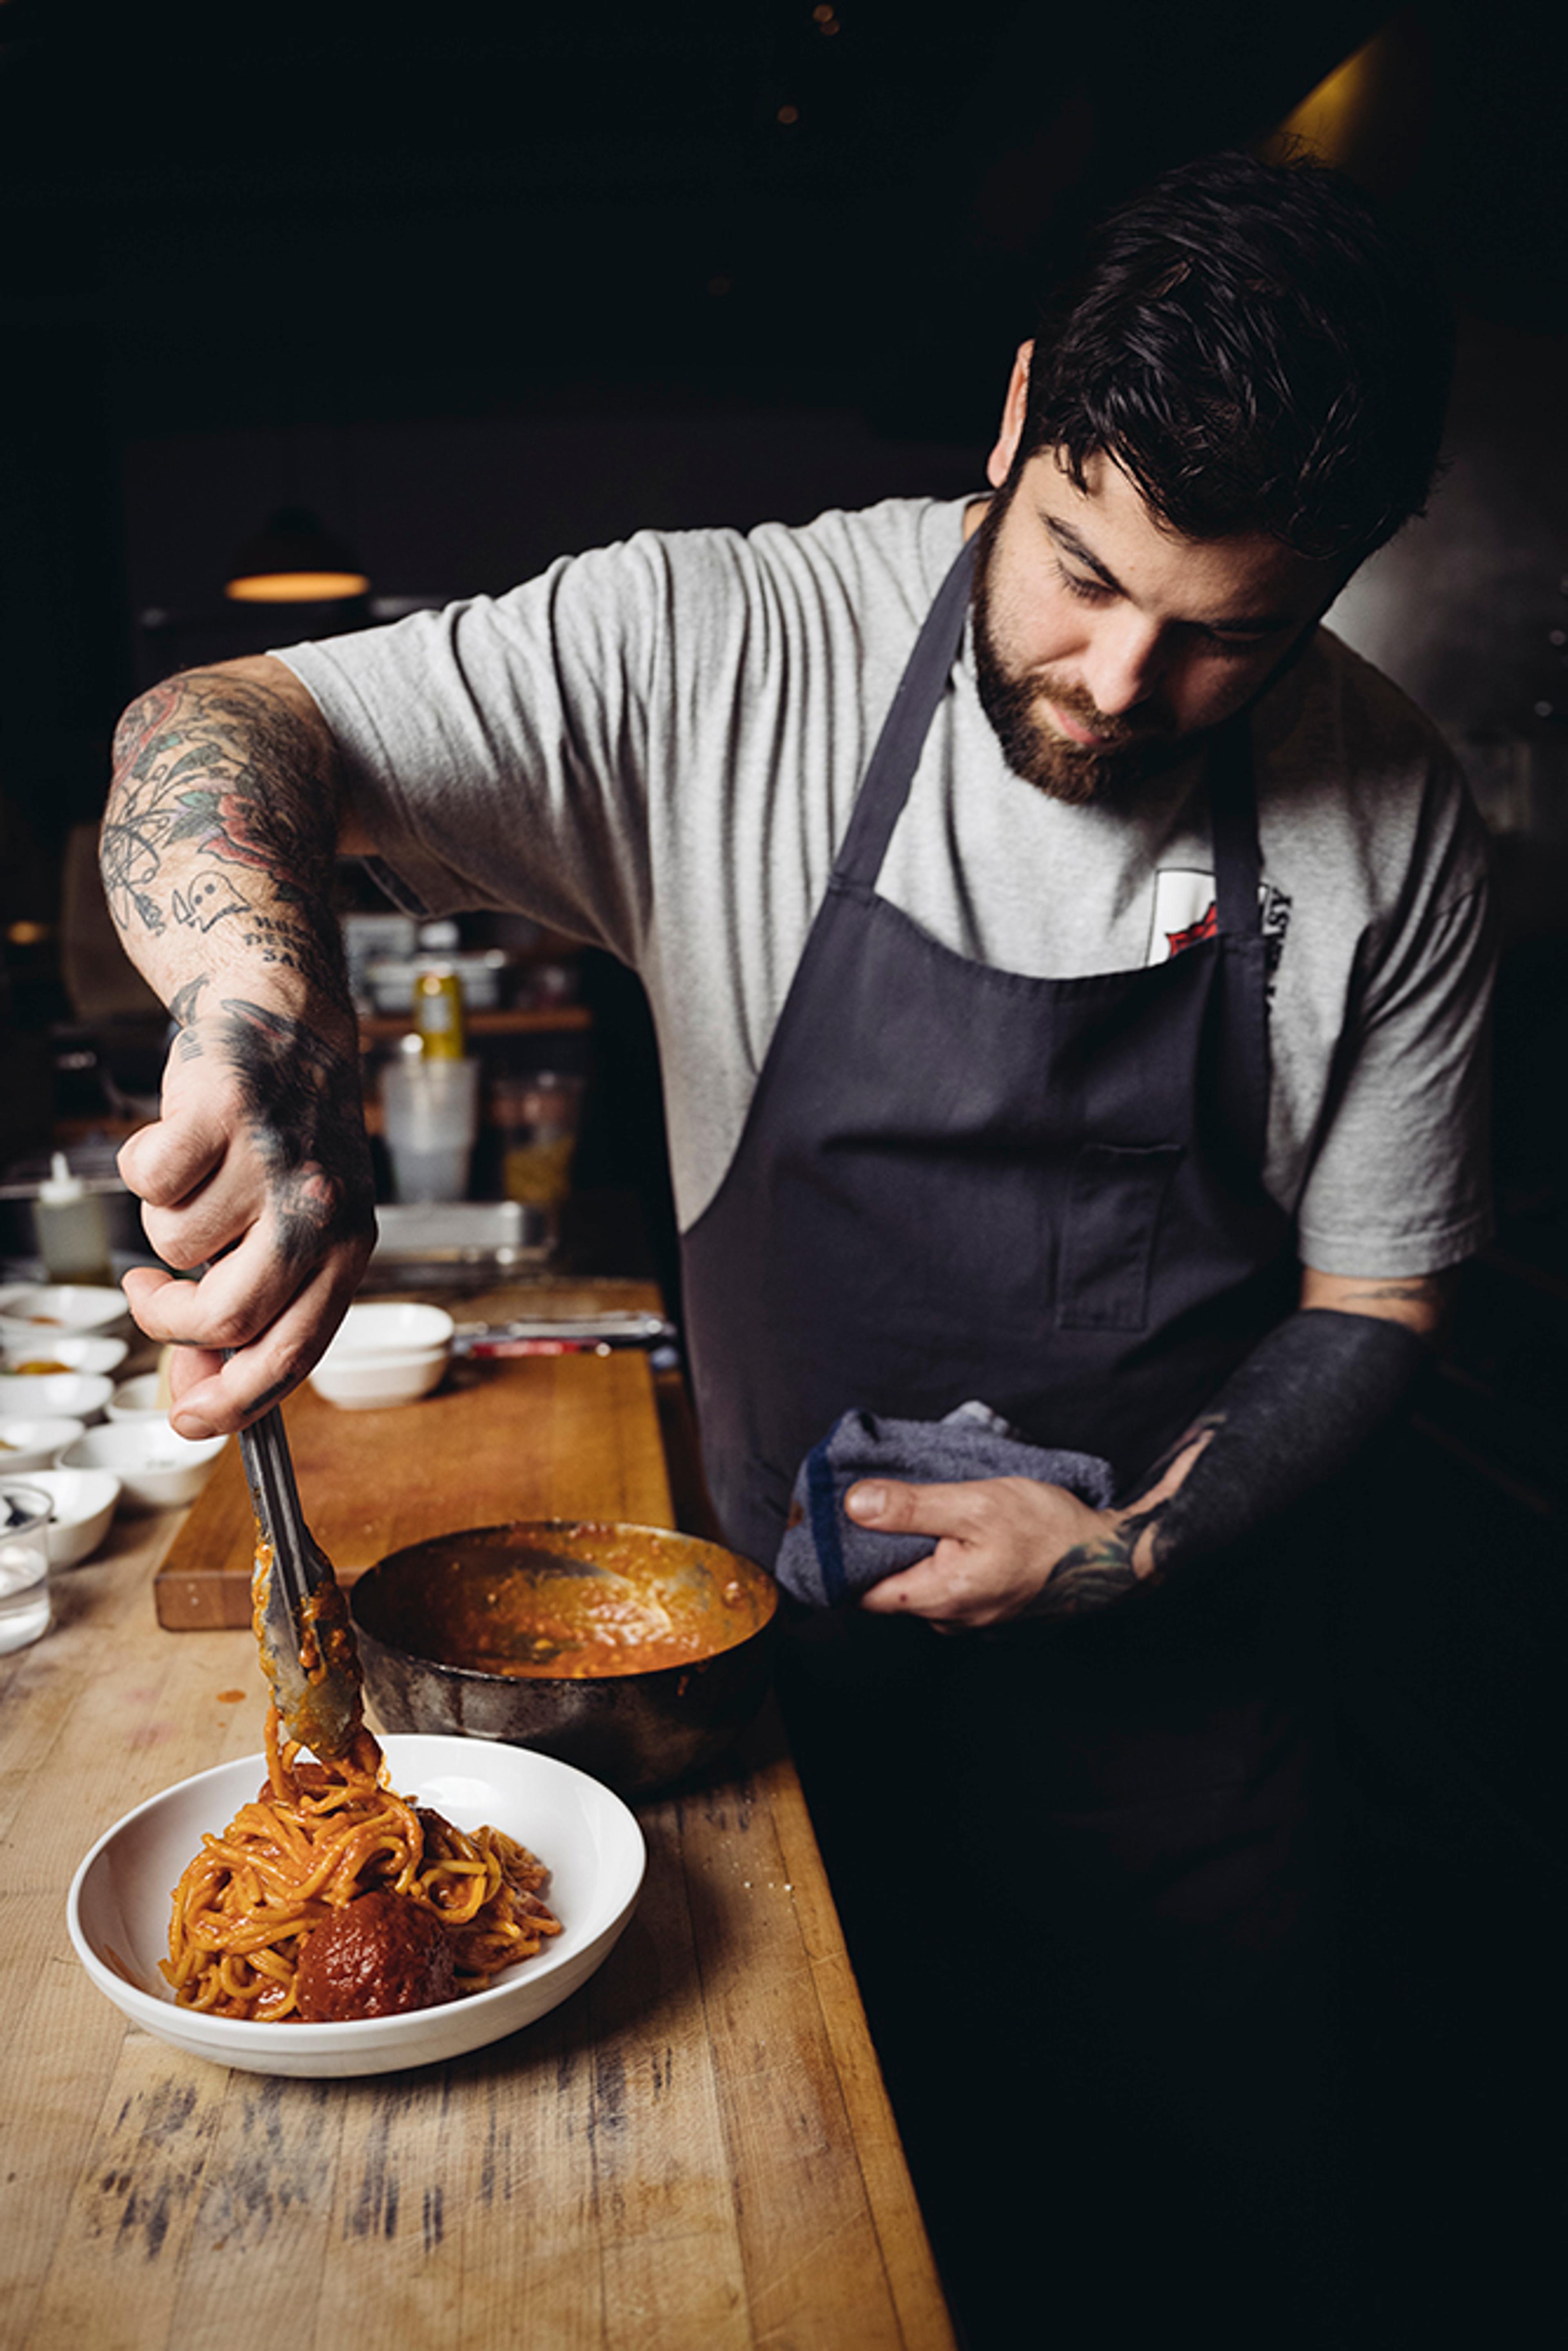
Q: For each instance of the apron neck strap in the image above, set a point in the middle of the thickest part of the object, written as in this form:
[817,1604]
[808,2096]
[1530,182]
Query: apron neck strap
[885,787]
[1233,821]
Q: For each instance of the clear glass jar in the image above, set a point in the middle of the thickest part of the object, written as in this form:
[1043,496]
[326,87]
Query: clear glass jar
[25,1611]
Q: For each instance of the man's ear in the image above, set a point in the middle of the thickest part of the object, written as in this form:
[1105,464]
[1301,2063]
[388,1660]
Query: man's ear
[1000,463]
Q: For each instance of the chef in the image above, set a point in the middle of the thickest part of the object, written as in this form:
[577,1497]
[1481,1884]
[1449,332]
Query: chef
[1070,965]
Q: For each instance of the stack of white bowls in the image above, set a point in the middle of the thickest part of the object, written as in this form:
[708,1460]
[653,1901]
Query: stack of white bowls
[384,1353]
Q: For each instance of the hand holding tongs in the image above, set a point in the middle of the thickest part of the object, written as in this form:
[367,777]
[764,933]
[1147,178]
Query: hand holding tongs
[301,1618]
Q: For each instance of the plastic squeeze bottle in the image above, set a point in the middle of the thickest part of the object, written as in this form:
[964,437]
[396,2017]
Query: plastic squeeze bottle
[72,1236]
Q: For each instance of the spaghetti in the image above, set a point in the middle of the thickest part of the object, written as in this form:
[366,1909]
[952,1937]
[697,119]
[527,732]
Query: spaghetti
[315,1838]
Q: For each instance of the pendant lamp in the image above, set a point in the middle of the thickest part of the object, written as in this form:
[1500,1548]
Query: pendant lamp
[295,560]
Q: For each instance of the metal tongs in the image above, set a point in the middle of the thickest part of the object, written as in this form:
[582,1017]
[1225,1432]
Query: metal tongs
[301,1619]
[565,1335]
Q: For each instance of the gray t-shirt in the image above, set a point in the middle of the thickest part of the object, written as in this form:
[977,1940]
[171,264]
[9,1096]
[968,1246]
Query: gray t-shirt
[655,747]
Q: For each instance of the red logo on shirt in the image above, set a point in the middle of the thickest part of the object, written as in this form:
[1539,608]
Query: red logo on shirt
[1206,927]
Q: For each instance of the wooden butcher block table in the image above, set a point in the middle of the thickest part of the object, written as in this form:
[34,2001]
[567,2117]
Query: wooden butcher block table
[695,2153]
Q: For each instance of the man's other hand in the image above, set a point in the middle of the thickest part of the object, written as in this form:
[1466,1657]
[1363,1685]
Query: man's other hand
[1002,1547]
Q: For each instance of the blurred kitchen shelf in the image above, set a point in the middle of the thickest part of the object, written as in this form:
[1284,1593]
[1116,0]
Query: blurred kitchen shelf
[384,1028]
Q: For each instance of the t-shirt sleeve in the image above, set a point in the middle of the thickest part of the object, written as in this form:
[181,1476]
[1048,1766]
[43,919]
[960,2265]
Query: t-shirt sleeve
[495,752]
[1401,1181]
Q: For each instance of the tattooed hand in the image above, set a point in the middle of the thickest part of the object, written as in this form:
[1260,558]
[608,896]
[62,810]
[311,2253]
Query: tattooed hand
[1293,1415]
[258,1168]
[1003,1546]
[217,849]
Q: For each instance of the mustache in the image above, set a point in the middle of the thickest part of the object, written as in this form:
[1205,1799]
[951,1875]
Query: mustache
[1111,734]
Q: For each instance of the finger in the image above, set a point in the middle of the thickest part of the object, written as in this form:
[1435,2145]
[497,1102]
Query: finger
[144,1287]
[257,1376]
[230,1306]
[955,1588]
[906,1593]
[891,1507]
[211,1219]
[165,1162]
[188,1367]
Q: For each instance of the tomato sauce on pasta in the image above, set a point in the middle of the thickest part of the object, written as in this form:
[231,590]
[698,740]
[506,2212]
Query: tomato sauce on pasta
[315,1838]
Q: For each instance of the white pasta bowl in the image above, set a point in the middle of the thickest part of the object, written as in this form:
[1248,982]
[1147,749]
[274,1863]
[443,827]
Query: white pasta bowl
[69,1395]
[157,1469]
[32,1310]
[120,1906]
[84,1502]
[385,1353]
[18,1357]
[35,1444]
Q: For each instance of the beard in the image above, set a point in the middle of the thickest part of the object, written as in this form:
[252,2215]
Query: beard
[1013,701]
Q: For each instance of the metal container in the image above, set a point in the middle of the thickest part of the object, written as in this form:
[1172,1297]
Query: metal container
[507,1632]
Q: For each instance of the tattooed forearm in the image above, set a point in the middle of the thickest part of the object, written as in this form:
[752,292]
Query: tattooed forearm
[221,822]
[1294,1415]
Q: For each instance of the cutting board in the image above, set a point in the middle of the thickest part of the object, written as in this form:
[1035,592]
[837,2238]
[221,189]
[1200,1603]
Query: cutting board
[573,1436]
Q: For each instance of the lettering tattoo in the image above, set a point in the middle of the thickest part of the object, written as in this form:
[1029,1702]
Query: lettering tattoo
[215,765]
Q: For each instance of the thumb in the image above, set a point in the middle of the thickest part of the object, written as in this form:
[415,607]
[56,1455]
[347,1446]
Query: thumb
[892,1507]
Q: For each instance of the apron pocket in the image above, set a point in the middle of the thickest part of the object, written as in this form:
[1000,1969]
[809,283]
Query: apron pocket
[1114,1207]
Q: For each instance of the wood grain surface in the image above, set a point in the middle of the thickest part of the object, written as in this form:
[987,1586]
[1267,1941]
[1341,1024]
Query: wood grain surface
[557,1436]
[696,2151]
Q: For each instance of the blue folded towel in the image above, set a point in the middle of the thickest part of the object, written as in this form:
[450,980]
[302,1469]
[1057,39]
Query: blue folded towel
[825,1558]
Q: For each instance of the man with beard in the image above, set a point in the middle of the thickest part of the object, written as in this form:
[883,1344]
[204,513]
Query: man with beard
[1069,967]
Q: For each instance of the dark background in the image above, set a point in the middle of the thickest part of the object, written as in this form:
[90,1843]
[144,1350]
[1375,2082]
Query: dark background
[483,284]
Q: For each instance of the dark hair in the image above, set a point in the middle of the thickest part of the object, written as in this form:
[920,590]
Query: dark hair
[1257,350]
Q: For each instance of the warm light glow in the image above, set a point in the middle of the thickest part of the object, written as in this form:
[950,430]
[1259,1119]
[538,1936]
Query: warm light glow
[297,587]
[1327,118]
[788,114]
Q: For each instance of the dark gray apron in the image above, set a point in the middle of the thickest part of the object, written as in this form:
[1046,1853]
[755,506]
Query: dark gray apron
[956,1181]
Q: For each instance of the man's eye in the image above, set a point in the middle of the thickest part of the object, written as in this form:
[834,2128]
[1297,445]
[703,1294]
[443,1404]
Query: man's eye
[1230,648]
[1088,591]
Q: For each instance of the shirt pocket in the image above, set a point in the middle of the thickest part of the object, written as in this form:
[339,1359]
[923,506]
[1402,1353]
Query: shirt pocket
[1115,1202]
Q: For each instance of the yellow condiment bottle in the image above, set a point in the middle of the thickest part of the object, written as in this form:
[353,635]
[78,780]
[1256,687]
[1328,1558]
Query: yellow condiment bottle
[438,1013]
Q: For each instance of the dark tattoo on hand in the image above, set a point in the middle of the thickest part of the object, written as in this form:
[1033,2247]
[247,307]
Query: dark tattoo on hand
[303,1104]
[1093,1574]
[1089,1576]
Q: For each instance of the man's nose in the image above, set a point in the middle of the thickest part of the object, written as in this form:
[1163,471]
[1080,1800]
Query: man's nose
[1124,664]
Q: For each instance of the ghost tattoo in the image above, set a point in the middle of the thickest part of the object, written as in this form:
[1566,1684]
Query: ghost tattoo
[210,897]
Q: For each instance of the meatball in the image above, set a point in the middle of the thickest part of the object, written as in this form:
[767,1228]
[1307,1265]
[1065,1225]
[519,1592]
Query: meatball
[381,1955]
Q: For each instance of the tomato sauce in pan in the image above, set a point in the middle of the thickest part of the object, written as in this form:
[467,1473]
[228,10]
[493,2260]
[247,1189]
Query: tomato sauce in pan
[596,1603]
